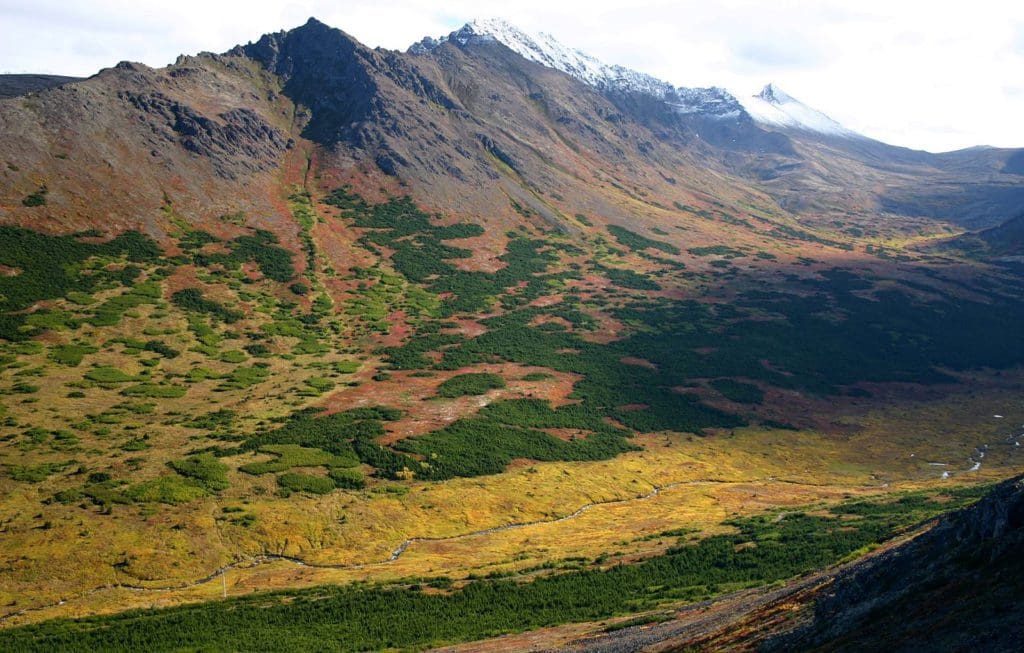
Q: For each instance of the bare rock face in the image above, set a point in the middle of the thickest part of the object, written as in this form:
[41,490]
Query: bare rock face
[338,80]
[238,138]
[114,148]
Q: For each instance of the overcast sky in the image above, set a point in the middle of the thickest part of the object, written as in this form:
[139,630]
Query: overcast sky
[932,75]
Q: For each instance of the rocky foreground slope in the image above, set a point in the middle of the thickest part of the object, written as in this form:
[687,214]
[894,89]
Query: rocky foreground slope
[960,586]
[956,585]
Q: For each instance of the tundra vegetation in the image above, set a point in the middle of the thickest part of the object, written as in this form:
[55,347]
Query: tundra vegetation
[140,384]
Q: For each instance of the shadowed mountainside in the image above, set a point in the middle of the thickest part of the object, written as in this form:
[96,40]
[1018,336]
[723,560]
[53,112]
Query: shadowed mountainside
[15,85]
[959,586]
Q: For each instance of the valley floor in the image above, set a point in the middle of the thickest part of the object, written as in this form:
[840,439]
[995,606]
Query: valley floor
[536,514]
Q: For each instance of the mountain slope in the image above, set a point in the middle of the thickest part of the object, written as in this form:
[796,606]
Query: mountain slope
[804,159]
[958,586]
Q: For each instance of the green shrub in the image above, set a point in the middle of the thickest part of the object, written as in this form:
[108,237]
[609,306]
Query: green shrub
[233,356]
[636,242]
[305,483]
[347,479]
[475,383]
[80,298]
[191,299]
[37,197]
[165,489]
[319,385]
[155,391]
[206,470]
[293,455]
[34,473]
[245,376]
[744,393]
[347,367]
[107,374]
[71,355]
[258,350]
[161,348]
[50,267]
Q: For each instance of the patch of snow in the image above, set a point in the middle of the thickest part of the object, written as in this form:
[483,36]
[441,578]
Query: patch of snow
[774,107]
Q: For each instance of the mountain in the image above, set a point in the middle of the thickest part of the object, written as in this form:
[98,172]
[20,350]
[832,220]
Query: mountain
[547,51]
[806,161]
[774,107]
[370,343]
[1003,242]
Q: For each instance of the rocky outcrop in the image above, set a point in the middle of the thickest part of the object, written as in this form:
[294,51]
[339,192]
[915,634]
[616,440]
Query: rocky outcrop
[239,138]
[339,81]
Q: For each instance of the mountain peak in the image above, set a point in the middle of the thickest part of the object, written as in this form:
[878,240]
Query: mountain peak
[546,50]
[773,94]
[493,27]
[540,47]
[774,107]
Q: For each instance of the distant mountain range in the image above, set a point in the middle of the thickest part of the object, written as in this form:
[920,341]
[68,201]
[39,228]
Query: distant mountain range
[15,85]
[771,107]
[475,110]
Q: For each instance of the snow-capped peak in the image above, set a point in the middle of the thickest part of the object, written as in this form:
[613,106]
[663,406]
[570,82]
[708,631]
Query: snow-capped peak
[548,51]
[775,95]
[774,107]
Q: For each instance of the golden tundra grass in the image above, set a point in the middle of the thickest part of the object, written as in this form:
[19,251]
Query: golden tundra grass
[729,474]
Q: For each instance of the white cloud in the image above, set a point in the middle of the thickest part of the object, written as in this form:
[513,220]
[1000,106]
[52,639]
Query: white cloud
[921,74]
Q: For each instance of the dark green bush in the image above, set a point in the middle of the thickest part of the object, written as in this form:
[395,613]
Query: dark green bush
[474,383]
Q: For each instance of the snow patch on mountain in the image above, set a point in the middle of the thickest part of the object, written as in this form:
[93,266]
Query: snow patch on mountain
[774,107]
[546,50]
[771,107]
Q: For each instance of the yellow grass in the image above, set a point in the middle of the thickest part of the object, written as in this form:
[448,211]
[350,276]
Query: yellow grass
[718,477]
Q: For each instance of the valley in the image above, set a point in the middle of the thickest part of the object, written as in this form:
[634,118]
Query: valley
[384,338]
